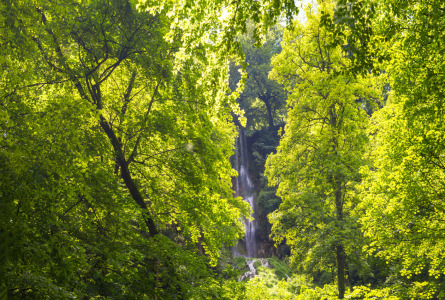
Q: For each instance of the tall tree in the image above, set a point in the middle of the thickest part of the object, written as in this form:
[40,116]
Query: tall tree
[404,187]
[317,162]
[115,133]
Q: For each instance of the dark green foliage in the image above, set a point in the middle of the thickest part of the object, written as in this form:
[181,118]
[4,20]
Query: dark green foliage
[239,263]
[369,270]
[268,200]
[280,268]
[263,100]
[262,143]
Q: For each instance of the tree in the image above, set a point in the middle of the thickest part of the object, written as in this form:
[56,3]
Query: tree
[116,133]
[404,187]
[262,99]
[317,162]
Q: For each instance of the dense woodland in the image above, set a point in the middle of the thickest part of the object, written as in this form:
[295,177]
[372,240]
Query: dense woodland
[118,123]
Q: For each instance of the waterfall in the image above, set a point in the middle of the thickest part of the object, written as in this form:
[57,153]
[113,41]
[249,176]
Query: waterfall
[251,270]
[244,188]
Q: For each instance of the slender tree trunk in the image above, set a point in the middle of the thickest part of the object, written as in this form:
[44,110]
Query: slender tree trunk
[339,249]
[337,184]
[96,99]
[341,266]
[269,113]
[126,176]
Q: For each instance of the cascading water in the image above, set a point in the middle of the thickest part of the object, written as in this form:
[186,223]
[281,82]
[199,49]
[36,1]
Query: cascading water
[251,270]
[245,189]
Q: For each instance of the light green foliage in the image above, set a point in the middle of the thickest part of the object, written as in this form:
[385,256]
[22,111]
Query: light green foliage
[316,165]
[351,25]
[328,292]
[221,20]
[115,133]
[267,286]
[404,187]
[366,293]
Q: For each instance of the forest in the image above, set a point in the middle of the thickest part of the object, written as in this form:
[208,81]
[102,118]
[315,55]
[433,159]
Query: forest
[222,149]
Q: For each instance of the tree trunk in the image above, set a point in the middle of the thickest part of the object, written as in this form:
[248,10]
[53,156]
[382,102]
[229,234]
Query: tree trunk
[269,114]
[126,176]
[341,266]
[339,249]
[337,184]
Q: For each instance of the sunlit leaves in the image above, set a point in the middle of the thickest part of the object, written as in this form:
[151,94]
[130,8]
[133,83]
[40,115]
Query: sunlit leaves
[404,187]
[316,165]
[98,89]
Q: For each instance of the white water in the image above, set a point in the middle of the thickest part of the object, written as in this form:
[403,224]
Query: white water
[244,188]
[251,273]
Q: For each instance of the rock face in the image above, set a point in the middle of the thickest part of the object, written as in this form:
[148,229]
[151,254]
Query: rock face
[251,270]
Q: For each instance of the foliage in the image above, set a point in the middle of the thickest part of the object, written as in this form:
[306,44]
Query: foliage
[262,100]
[267,286]
[363,292]
[116,133]
[267,202]
[400,199]
[116,129]
[281,270]
[316,165]
[262,143]
[403,188]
